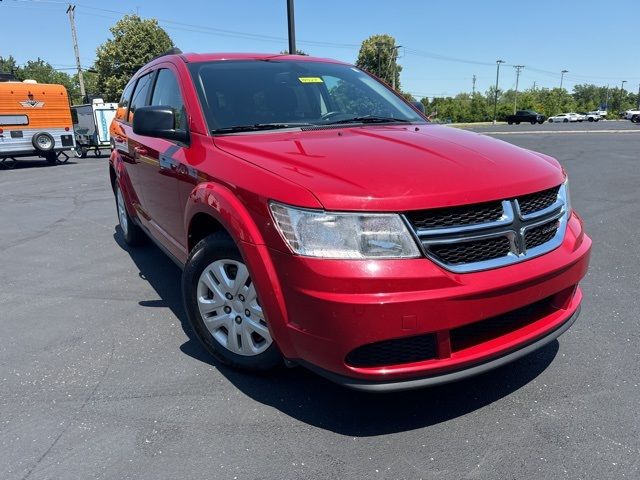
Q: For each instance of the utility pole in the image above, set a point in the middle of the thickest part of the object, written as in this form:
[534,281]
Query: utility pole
[622,95]
[393,59]
[534,84]
[473,88]
[639,96]
[292,28]
[515,99]
[562,77]
[70,11]
[379,46]
[495,98]
[606,102]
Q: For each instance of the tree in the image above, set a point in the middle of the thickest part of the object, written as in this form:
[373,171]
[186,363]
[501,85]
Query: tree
[135,42]
[379,55]
[298,52]
[43,72]
[8,65]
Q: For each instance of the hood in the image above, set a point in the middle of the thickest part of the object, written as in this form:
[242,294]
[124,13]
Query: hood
[395,168]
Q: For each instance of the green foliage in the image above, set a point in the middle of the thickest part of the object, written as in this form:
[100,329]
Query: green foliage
[8,65]
[548,101]
[135,42]
[298,52]
[379,56]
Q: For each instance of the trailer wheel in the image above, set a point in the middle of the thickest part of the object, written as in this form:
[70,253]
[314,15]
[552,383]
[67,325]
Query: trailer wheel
[81,152]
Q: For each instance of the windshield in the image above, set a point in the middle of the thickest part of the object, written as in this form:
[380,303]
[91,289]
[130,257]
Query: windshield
[270,94]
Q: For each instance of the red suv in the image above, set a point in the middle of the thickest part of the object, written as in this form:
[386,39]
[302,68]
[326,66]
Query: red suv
[321,220]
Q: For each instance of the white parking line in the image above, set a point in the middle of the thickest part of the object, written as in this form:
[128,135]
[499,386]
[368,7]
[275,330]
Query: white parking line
[558,132]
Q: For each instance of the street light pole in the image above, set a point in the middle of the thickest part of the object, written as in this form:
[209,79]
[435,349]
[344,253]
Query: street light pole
[495,97]
[291,23]
[515,99]
[562,77]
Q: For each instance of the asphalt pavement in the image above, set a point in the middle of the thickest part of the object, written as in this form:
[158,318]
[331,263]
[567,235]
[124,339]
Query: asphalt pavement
[100,378]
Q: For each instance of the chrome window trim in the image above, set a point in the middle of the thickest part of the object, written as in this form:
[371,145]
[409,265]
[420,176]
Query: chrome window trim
[514,227]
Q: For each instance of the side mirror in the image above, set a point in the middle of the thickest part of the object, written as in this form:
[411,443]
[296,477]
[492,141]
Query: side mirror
[419,106]
[158,121]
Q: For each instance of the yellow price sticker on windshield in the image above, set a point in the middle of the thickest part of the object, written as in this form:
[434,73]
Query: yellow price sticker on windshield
[310,80]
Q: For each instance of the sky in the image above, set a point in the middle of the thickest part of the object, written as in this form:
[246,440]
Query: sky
[444,43]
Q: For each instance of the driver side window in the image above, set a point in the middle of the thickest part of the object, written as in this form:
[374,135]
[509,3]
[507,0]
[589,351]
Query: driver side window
[167,93]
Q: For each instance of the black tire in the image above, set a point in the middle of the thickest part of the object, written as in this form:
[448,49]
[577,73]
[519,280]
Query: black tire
[566,120]
[219,246]
[540,122]
[51,158]
[81,152]
[510,122]
[551,120]
[591,119]
[132,234]
[581,120]
[517,123]
[533,122]
[43,142]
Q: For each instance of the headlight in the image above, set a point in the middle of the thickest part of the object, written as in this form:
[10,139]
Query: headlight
[316,233]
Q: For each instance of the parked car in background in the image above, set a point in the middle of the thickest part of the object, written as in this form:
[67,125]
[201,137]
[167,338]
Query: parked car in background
[562,118]
[635,118]
[322,221]
[593,116]
[91,126]
[526,116]
[35,119]
[577,116]
[630,113]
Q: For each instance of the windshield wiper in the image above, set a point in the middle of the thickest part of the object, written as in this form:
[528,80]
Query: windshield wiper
[258,126]
[370,119]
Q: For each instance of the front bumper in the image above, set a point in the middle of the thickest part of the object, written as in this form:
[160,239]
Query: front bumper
[321,310]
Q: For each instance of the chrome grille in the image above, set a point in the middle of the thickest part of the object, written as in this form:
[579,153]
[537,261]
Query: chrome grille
[451,217]
[537,201]
[541,234]
[483,236]
[468,252]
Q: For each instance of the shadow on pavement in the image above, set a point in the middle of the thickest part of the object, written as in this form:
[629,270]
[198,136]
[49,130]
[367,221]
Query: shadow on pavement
[312,399]
[31,163]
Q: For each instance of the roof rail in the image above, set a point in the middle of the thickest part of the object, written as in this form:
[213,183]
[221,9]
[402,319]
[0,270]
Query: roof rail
[172,51]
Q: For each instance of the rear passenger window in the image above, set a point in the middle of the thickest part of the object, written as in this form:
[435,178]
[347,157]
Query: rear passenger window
[140,94]
[123,104]
[167,93]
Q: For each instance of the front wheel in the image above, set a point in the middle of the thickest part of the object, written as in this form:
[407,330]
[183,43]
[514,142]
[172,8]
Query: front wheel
[566,120]
[223,307]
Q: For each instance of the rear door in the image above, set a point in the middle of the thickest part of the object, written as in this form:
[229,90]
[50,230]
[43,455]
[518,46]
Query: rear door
[159,161]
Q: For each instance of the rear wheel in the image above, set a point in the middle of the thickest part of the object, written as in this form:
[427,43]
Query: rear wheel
[566,120]
[517,123]
[223,307]
[131,232]
[551,120]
